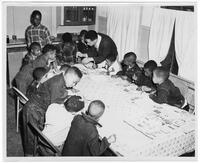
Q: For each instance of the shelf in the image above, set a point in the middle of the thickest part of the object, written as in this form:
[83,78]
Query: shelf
[79,15]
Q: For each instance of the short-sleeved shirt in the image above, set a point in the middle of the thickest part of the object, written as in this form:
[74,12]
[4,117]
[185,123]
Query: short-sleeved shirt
[38,34]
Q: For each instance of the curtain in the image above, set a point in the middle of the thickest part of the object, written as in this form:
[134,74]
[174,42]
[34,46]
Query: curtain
[123,27]
[160,33]
[186,44]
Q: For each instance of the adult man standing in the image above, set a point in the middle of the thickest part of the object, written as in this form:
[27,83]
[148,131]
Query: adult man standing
[37,32]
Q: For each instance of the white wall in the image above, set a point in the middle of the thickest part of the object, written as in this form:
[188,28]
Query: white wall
[18,19]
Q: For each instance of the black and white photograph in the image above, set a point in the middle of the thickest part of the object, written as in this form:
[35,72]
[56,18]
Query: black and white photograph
[99,81]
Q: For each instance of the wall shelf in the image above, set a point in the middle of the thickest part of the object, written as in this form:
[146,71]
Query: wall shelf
[79,15]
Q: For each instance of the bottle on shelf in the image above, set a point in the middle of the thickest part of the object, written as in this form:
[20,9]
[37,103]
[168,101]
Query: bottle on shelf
[7,39]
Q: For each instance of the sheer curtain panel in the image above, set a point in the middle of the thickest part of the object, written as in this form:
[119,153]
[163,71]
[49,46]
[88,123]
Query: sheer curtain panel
[123,27]
[160,33]
[186,44]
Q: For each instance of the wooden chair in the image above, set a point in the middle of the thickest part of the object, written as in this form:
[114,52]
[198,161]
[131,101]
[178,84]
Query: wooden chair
[21,99]
[41,139]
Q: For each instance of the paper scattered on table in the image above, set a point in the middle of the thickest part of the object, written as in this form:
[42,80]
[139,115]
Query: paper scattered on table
[136,120]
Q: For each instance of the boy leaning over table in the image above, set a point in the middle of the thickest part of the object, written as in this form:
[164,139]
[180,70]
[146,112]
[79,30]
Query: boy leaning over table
[129,66]
[25,76]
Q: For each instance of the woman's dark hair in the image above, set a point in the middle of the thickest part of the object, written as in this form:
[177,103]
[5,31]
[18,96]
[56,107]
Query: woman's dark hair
[92,35]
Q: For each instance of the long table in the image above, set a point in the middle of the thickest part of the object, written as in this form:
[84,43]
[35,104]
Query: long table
[143,128]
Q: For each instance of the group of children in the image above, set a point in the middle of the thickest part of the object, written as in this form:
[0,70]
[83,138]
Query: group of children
[46,81]
[46,76]
[152,79]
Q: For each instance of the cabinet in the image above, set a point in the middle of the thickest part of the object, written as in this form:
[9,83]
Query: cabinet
[14,61]
[79,15]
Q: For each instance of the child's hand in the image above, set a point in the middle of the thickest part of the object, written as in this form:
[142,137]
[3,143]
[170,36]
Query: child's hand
[74,90]
[79,54]
[146,89]
[112,139]
[151,96]
[114,76]
[134,77]
[50,61]
[94,66]
[139,89]
[124,77]
[153,92]
[87,60]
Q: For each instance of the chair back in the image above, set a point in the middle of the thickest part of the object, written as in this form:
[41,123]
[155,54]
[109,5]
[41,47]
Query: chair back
[22,98]
[42,139]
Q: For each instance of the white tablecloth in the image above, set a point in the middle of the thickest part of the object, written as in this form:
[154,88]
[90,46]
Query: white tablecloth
[143,128]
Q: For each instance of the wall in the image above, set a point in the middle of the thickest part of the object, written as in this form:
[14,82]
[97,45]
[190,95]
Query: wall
[72,29]
[18,19]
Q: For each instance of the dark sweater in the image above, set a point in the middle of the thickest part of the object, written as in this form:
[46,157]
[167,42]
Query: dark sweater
[168,93]
[25,76]
[83,138]
[83,48]
[49,91]
[143,80]
[107,49]
[129,72]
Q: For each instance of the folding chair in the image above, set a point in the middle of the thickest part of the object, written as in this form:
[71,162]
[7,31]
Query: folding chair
[41,139]
[21,98]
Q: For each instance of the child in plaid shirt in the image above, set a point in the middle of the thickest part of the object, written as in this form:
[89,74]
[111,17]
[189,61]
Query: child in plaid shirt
[37,32]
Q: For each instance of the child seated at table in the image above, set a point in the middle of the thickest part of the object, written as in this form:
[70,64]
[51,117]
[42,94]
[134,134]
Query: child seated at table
[166,91]
[58,120]
[146,82]
[81,44]
[25,76]
[83,137]
[47,93]
[33,53]
[51,73]
[38,74]
[68,49]
[130,66]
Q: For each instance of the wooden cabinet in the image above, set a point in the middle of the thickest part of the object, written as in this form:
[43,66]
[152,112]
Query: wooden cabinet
[14,61]
[79,15]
